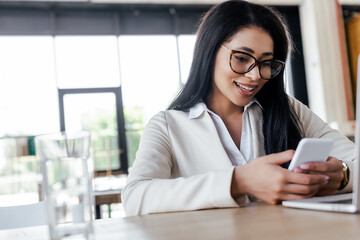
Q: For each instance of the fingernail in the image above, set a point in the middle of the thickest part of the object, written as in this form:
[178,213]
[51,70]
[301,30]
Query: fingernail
[304,166]
[297,170]
[326,179]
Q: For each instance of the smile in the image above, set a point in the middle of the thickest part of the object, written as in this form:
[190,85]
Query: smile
[244,88]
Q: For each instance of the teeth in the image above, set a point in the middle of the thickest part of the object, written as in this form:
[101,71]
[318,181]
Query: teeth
[244,88]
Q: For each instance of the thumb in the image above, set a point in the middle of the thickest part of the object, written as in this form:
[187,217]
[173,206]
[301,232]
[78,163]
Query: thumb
[281,157]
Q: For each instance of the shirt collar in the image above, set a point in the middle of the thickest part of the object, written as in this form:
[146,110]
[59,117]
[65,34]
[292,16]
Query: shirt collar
[201,107]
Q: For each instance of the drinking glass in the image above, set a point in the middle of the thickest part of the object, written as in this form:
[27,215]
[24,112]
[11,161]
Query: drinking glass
[67,183]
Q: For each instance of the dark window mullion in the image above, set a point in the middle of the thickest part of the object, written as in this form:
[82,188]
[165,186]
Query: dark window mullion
[119,117]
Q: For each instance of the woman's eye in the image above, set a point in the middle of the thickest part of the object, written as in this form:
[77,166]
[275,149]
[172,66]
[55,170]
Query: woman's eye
[266,64]
[242,59]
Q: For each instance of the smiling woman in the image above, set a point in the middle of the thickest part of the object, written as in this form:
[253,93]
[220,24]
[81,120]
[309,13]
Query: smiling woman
[227,136]
[243,79]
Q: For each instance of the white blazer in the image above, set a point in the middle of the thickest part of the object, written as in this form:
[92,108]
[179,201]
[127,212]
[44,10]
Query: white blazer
[181,164]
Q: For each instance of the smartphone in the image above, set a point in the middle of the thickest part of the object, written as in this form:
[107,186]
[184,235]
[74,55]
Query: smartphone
[311,150]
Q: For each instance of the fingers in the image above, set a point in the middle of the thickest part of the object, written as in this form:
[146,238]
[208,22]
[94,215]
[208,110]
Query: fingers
[308,190]
[331,165]
[335,177]
[328,189]
[289,185]
[292,197]
[286,196]
[299,170]
[332,186]
[331,168]
[280,158]
[276,184]
[307,179]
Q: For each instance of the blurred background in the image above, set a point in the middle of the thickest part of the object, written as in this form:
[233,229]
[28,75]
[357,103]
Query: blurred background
[107,66]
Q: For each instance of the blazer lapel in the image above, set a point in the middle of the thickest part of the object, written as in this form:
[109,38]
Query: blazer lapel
[256,121]
[214,142]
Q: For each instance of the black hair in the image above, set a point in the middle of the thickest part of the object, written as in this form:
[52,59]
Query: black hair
[280,123]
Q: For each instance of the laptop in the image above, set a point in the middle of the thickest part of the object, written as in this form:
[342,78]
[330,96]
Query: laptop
[349,202]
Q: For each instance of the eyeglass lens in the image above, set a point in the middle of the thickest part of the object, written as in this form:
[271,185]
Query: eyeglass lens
[242,63]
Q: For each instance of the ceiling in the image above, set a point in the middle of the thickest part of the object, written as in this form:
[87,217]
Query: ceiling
[187,2]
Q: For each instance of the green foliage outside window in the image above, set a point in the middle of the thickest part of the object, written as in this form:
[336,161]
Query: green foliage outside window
[105,139]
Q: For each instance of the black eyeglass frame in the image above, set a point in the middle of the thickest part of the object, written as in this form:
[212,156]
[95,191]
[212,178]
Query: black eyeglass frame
[257,63]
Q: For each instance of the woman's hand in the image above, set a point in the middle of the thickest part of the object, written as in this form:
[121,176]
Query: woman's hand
[265,179]
[332,168]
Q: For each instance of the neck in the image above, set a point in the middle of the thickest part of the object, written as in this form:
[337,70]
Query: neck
[222,106]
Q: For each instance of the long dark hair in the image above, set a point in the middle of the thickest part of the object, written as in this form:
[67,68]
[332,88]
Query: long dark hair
[280,123]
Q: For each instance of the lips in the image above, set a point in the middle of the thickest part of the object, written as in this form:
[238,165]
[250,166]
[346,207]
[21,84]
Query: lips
[247,88]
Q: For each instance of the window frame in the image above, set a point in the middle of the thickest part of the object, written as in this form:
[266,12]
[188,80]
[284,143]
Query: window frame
[120,120]
[86,18]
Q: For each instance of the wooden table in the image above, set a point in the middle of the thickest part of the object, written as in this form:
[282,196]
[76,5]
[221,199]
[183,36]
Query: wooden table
[252,222]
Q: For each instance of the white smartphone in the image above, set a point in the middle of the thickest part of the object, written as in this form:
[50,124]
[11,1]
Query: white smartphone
[311,150]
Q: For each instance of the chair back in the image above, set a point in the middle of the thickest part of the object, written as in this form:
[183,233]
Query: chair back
[23,215]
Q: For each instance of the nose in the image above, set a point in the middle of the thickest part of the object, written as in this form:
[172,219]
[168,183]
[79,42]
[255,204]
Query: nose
[254,74]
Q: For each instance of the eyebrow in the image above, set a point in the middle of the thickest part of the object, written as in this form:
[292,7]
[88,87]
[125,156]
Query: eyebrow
[252,51]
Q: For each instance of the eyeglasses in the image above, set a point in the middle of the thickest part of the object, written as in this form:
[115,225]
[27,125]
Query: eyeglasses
[242,62]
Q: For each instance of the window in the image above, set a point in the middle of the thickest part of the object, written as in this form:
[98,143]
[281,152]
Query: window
[19,173]
[150,80]
[186,50]
[96,113]
[89,91]
[103,63]
[27,86]
[87,61]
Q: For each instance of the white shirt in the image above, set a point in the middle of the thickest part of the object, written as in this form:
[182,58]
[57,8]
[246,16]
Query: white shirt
[246,153]
[181,164]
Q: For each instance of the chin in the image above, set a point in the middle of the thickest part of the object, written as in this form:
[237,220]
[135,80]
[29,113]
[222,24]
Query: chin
[242,103]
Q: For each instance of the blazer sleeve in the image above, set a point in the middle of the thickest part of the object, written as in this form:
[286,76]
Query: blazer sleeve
[314,127]
[150,187]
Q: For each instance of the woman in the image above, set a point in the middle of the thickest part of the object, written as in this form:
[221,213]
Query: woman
[228,135]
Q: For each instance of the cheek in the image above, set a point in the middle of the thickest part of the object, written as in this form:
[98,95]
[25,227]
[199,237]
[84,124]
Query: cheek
[221,69]
[223,76]
[218,69]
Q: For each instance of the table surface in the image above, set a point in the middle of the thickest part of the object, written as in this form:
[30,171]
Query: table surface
[251,222]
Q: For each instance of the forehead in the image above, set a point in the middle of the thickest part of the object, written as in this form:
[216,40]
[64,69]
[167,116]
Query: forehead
[254,38]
